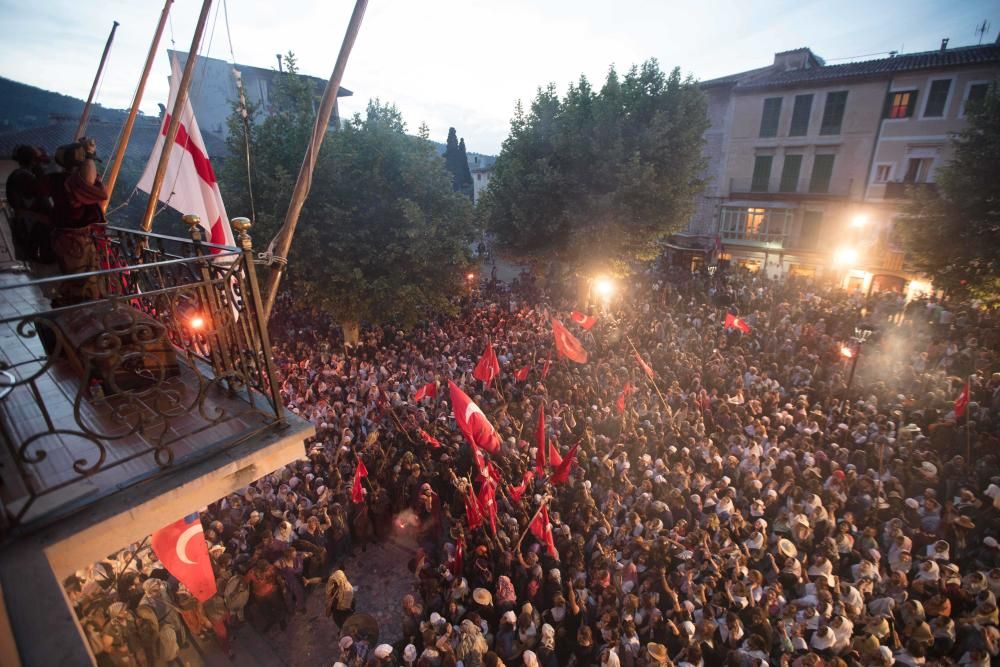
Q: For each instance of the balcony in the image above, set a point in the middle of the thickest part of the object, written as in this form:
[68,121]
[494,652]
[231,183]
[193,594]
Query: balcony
[166,368]
[906,190]
[748,188]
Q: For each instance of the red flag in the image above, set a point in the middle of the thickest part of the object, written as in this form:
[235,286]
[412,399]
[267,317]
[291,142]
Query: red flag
[522,374]
[488,366]
[555,458]
[487,502]
[540,440]
[516,492]
[546,366]
[962,402]
[645,367]
[472,512]
[562,472]
[357,490]
[474,425]
[626,392]
[429,390]
[585,321]
[428,438]
[566,343]
[182,549]
[541,528]
[733,322]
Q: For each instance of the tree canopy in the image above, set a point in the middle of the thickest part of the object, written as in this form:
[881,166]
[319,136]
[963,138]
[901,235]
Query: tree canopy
[952,233]
[456,161]
[382,236]
[599,176]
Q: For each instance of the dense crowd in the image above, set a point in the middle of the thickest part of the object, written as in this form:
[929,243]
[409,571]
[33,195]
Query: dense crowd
[746,507]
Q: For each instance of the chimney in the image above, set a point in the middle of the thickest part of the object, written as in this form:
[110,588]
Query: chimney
[278,56]
[892,54]
[944,43]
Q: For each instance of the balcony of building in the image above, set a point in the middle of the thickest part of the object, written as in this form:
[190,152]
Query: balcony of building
[904,190]
[774,189]
[156,364]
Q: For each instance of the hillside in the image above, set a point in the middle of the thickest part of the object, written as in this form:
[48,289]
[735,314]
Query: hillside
[25,106]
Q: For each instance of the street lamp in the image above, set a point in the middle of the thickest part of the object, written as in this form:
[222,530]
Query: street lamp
[712,268]
[859,221]
[605,288]
[845,256]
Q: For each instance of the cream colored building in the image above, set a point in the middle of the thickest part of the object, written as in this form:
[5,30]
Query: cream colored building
[809,163]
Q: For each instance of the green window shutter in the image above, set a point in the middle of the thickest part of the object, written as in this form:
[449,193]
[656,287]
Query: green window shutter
[833,112]
[936,98]
[911,104]
[769,119]
[800,116]
[790,173]
[812,222]
[821,173]
[761,173]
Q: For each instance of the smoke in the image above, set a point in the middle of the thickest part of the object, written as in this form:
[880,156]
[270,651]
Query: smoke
[406,519]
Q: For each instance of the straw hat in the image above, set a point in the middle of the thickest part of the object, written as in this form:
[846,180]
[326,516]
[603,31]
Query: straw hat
[787,549]
[657,652]
[483,597]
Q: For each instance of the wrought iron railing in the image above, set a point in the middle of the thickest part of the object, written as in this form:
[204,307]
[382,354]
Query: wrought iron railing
[169,344]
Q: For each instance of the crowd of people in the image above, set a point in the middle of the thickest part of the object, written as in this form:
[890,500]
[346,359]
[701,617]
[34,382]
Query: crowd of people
[741,502]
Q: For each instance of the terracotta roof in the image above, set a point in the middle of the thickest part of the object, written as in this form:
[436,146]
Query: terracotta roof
[937,59]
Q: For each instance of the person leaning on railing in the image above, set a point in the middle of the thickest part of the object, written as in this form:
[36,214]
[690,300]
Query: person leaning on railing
[77,195]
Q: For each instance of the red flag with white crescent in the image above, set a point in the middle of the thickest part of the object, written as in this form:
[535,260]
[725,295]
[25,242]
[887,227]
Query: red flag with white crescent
[182,549]
[522,374]
[733,322]
[516,492]
[566,343]
[487,502]
[488,366]
[473,513]
[645,367]
[541,528]
[585,321]
[428,438]
[190,185]
[474,425]
[546,366]
[962,402]
[429,390]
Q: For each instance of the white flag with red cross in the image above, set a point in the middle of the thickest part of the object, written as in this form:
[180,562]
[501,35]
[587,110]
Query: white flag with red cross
[190,185]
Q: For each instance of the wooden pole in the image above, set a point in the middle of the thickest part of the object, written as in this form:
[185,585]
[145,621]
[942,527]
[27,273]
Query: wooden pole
[658,392]
[304,181]
[175,118]
[119,155]
[81,127]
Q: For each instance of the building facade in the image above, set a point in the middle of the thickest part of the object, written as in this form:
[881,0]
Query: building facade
[481,168]
[809,163]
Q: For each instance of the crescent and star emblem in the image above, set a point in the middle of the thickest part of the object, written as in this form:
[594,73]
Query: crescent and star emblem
[183,540]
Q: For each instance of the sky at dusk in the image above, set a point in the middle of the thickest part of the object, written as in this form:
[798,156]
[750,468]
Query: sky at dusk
[464,63]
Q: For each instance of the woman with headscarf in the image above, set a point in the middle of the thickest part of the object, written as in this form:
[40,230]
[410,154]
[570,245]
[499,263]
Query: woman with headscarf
[339,597]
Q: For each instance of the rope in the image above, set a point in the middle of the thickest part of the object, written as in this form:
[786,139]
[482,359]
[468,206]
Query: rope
[244,114]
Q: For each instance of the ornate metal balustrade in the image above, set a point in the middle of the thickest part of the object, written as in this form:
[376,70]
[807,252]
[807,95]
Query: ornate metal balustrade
[166,361]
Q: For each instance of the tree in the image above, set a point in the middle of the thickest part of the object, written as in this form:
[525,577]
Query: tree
[382,237]
[464,173]
[952,233]
[457,163]
[596,178]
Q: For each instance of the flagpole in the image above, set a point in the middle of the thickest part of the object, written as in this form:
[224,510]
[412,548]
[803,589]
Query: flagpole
[658,392]
[545,501]
[81,127]
[119,154]
[175,119]
[304,181]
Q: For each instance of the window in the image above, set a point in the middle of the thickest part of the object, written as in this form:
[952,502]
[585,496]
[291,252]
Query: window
[800,116]
[883,172]
[812,221]
[761,173]
[937,98]
[977,93]
[790,173]
[833,112]
[900,104]
[769,120]
[822,171]
[917,170]
[764,225]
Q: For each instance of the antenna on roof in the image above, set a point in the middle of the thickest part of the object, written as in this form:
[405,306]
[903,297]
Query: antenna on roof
[982,29]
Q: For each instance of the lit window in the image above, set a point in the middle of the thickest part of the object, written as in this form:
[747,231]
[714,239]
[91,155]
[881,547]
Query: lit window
[755,218]
[900,104]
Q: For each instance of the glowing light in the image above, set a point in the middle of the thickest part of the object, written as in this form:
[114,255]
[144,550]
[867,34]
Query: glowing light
[604,287]
[845,256]
[470,276]
[859,220]
[197,322]
[846,352]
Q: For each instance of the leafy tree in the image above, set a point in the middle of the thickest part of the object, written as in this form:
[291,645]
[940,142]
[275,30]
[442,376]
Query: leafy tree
[952,233]
[596,178]
[382,236]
